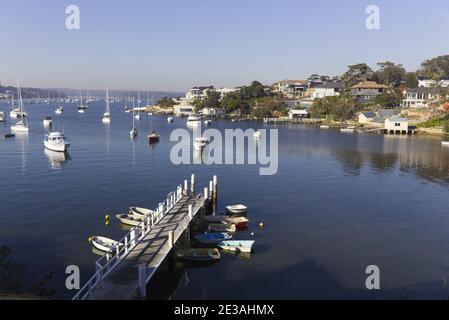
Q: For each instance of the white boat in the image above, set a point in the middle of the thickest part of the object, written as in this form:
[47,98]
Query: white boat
[129,219]
[324,126]
[60,110]
[47,122]
[104,244]
[200,143]
[237,245]
[2,116]
[22,124]
[82,108]
[133,132]
[258,134]
[140,212]
[193,121]
[348,130]
[107,114]
[138,109]
[137,116]
[170,119]
[445,143]
[237,209]
[198,254]
[207,122]
[56,141]
[220,227]
[16,112]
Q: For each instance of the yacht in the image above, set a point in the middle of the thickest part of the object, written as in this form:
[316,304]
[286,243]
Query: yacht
[60,110]
[22,124]
[207,122]
[47,122]
[193,121]
[107,114]
[170,119]
[133,132]
[2,116]
[258,134]
[82,108]
[153,137]
[348,130]
[200,143]
[15,112]
[56,141]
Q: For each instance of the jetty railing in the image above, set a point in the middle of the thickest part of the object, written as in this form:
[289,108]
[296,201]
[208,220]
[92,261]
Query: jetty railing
[106,264]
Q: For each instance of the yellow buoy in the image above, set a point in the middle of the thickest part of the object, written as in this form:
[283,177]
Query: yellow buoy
[107,217]
[261,225]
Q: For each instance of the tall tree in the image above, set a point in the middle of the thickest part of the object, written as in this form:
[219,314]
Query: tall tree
[436,68]
[411,80]
[390,74]
[356,73]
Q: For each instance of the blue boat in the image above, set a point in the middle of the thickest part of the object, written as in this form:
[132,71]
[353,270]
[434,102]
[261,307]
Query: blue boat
[237,245]
[213,238]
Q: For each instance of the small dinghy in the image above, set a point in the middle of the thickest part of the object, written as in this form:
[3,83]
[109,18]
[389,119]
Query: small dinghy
[237,245]
[199,255]
[240,223]
[103,243]
[215,219]
[220,227]
[237,209]
[213,238]
[9,135]
[129,219]
[140,212]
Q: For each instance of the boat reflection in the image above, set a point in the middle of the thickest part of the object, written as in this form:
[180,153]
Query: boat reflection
[57,159]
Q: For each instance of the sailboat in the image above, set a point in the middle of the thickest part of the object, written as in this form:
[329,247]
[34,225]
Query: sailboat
[15,112]
[107,114]
[133,132]
[137,116]
[154,136]
[22,124]
[60,109]
[81,107]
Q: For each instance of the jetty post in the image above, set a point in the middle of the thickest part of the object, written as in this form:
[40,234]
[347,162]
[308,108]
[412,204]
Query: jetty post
[142,281]
[215,194]
[192,185]
[186,187]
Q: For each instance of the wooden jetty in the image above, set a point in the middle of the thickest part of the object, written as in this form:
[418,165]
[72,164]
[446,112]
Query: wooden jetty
[125,271]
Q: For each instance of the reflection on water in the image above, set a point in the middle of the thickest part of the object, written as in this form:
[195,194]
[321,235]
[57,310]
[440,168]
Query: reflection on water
[57,159]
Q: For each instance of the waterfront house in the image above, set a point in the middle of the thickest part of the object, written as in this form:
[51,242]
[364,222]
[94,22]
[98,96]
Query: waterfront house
[291,88]
[429,83]
[422,97]
[199,93]
[327,89]
[397,125]
[184,108]
[367,90]
[213,112]
[367,117]
[298,114]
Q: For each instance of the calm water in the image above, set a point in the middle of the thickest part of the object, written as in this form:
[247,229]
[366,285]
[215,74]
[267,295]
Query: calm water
[339,203]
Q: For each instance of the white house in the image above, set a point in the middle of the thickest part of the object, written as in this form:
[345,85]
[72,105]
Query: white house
[298,114]
[199,93]
[397,125]
[366,117]
[291,88]
[421,97]
[183,109]
[213,112]
[328,89]
[428,83]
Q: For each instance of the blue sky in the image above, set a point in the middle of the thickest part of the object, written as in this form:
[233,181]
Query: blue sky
[171,45]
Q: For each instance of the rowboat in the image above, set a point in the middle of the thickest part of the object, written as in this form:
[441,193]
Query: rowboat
[220,227]
[140,212]
[104,244]
[9,135]
[199,254]
[239,222]
[237,245]
[215,219]
[129,219]
[237,209]
[213,238]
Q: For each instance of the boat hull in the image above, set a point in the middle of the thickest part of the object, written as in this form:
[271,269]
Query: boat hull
[237,246]
[56,147]
[199,255]
[20,129]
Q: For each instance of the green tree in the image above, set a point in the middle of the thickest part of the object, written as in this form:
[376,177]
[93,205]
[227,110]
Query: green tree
[339,107]
[166,102]
[436,68]
[389,99]
[357,73]
[390,74]
[212,100]
[262,112]
[411,80]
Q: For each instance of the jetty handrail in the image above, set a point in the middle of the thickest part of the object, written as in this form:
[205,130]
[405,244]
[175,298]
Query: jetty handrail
[107,263]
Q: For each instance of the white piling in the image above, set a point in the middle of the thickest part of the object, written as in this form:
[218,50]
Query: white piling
[171,238]
[192,185]
[211,189]
[206,193]
[190,211]
[186,188]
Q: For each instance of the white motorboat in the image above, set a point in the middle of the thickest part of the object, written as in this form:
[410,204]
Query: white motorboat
[445,143]
[237,209]
[141,212]
[324,126]
[193,121]
[56,141]
[107,114]
[137,116]
[22,124]
[170,119]
[258,134]
[47,122]
[200,143]
[60,110]
[2,116]
[104,244]
[348,130]
[82,108]
[129,219]
[207,122]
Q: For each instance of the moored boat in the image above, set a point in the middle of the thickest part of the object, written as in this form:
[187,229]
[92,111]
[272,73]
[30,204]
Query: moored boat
[445,143]
[153,137]
[2,116]
[200,143]
[104,244]
[140,212]
[56,141]
[215,219]
[213,238]
[258,134]
[237,209]
[220,227]
[348,130]
[237,245]
[47,122]
[199,254]
[170,119]
[193,121]
[129,219]
[239,222]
